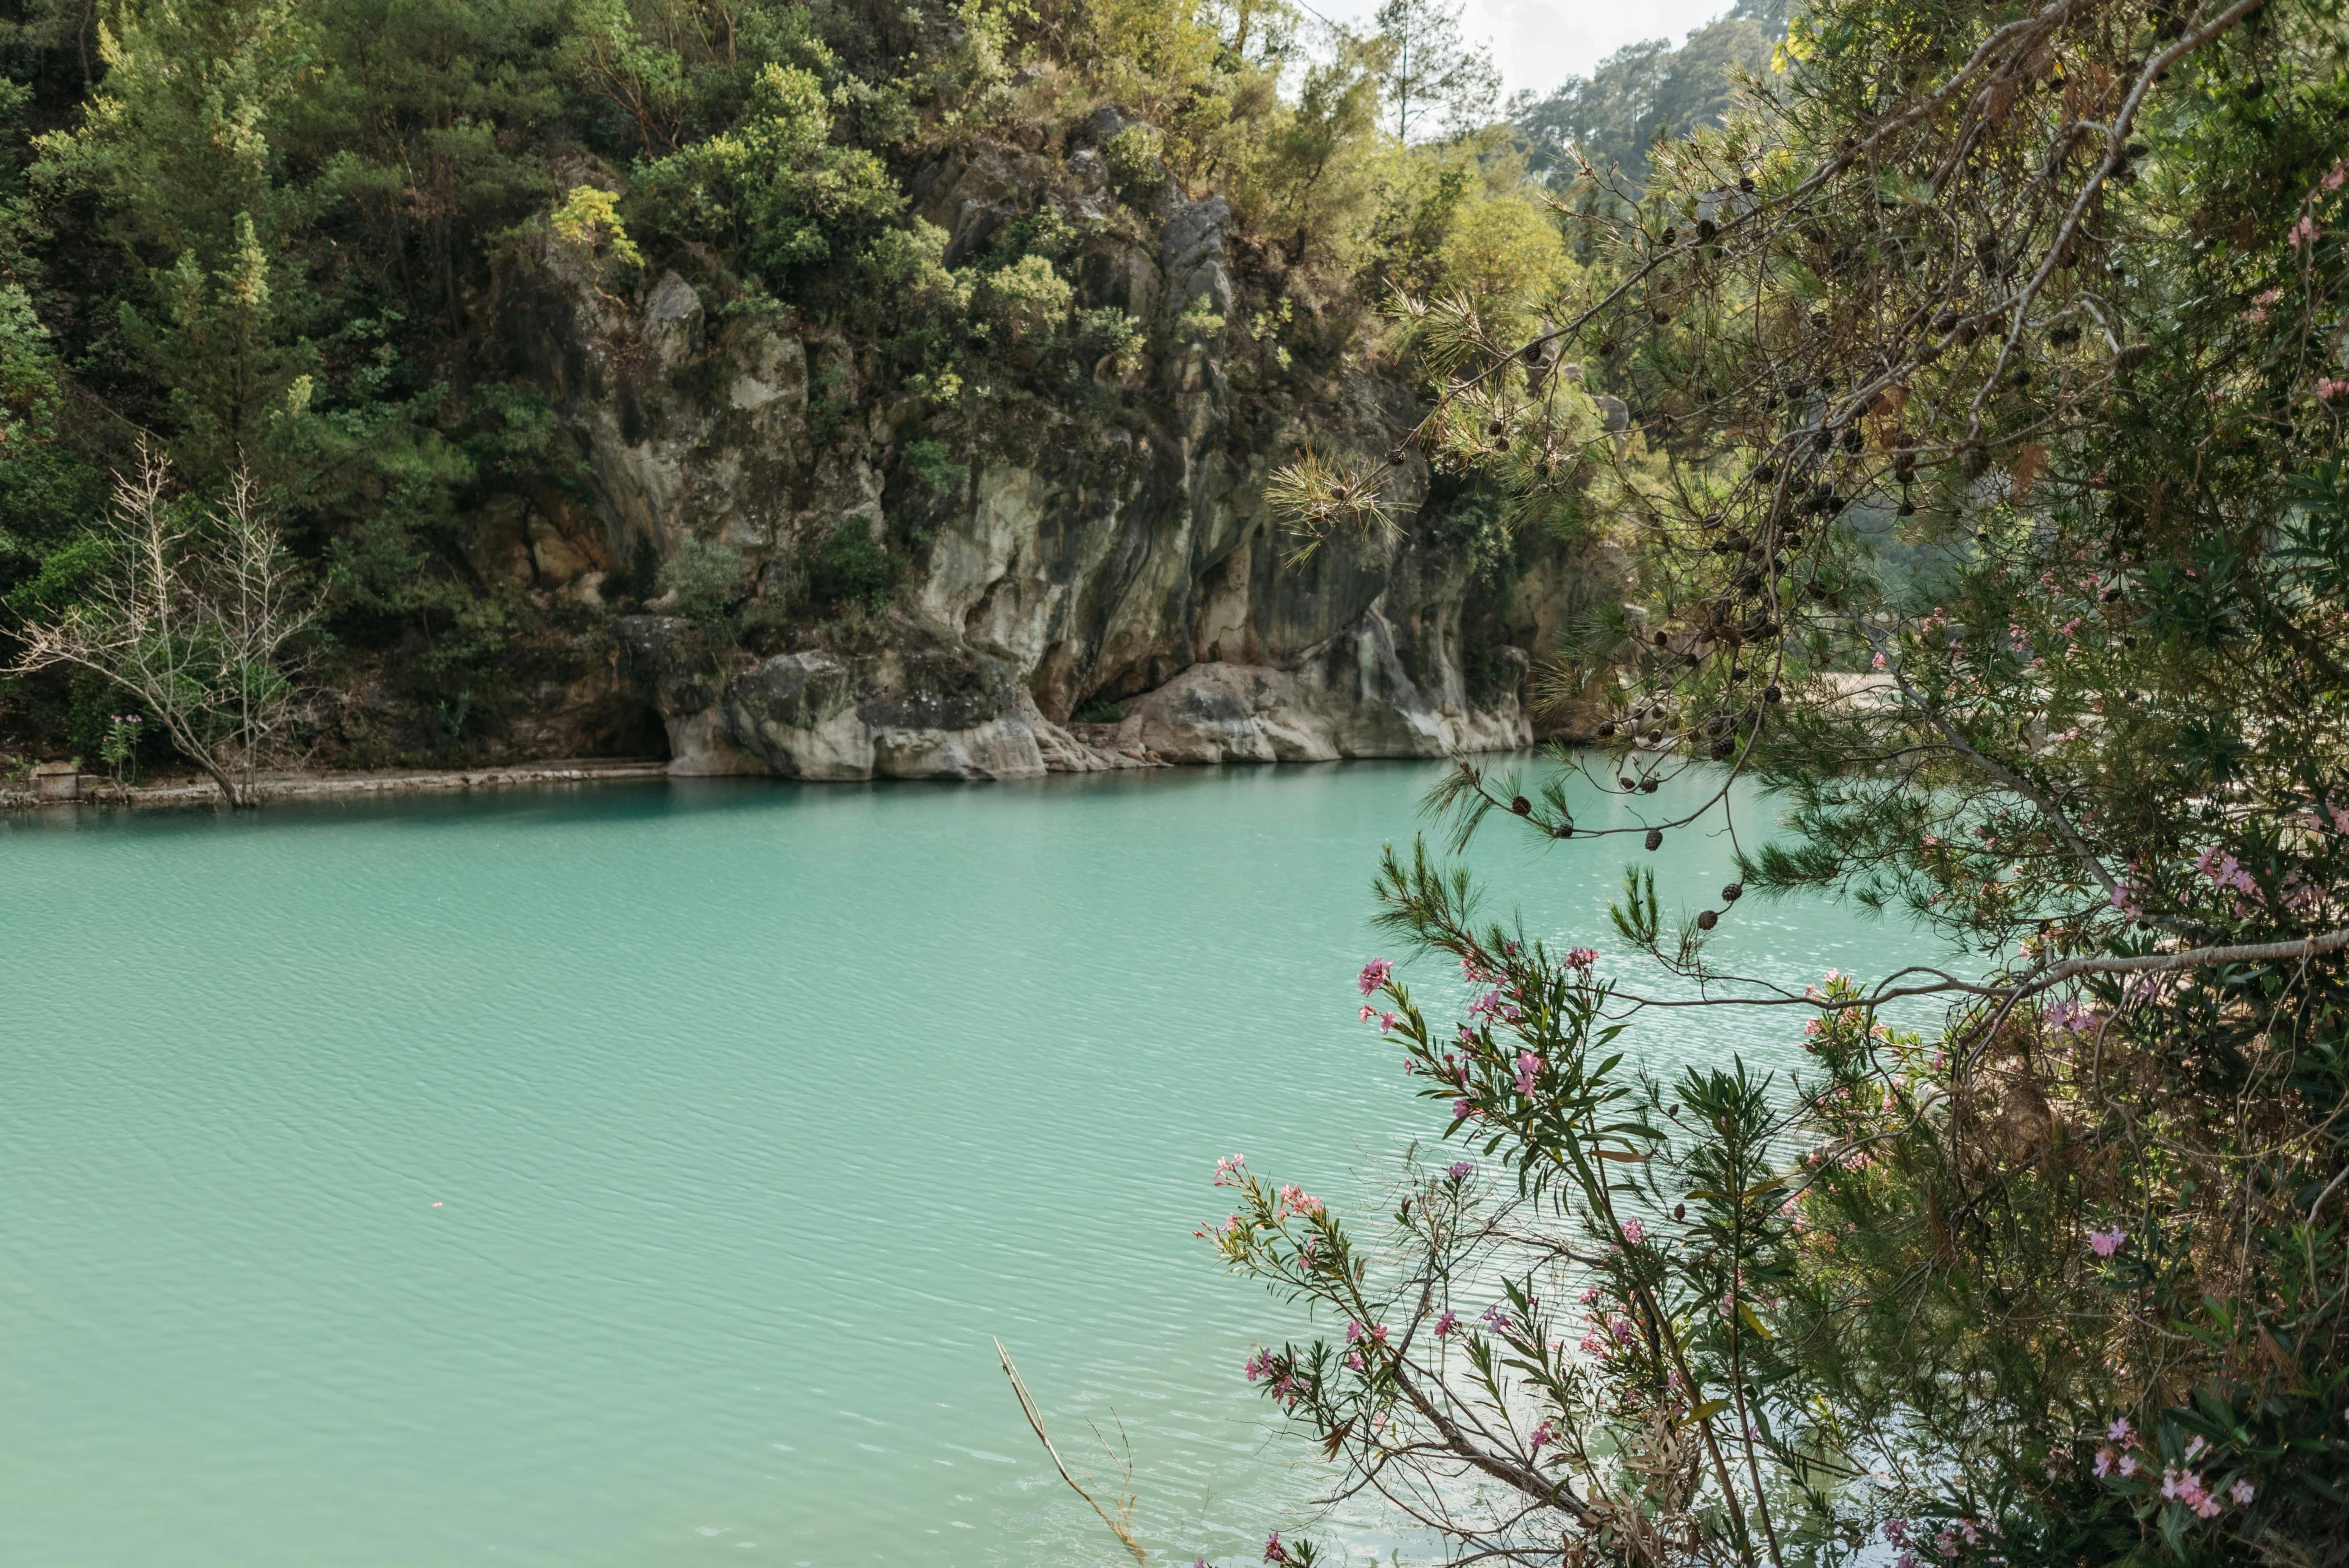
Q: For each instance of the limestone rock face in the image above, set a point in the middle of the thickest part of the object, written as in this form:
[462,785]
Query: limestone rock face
[1104,590]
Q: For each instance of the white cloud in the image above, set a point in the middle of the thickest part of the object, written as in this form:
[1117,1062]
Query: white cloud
[1539,43]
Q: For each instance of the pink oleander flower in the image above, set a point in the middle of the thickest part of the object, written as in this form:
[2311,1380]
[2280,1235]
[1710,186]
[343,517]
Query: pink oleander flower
[1463,1110]
[2071,1016]
[1374,974]
[1528,1065]
[1590,1293]
[1259,1365]
[2104,1243]
[2103,1465]
[1581,957]
[2119,1430]
[1540,1435]
[1448,1322]
[2336,175]
[2327,389]
[1876,663]
[1274,1552]
[1632,1231]
[2302,233]
[1368,1012]
[2128,1464]
[1495,1319]
[2243,1491]
[2195,1448]
[1231,1170]
[1459,1170]
[1386,1023]
[1296,1200]
[2224,871]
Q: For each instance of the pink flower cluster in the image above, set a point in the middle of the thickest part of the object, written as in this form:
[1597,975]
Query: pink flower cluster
[1374,974]
[1604,1332]
[1232,1171]
[1296,1200]
[1494,1005]
[2118,1456]
[2327,389]
[2071,1016]
[2225,871]
[1901,1534]
[1945,1540]
[1529,1067]
[2104,1243]
[2186,1487]
[1581,957]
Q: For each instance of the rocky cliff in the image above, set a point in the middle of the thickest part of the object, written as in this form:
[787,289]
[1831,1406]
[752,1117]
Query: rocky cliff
[1083,588]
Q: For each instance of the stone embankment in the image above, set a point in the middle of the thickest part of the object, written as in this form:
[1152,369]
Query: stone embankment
[96,789]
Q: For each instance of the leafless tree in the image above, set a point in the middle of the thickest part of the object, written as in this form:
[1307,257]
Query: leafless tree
[202,618]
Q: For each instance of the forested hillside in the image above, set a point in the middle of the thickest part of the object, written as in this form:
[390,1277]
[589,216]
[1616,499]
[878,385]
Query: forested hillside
[588,353]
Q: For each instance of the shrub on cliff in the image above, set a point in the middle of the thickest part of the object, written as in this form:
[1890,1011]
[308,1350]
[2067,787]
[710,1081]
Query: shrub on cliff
[701,579]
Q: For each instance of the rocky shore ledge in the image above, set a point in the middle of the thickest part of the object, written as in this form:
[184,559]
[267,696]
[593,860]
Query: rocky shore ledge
[1239,715]
[96,789]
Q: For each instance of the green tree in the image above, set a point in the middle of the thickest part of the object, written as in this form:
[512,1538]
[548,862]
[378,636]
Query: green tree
[1639,93]
[1431,75]
[188,170]
[2055,304]
[775,185]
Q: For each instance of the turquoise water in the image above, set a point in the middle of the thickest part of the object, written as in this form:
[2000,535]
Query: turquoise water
[637,1175]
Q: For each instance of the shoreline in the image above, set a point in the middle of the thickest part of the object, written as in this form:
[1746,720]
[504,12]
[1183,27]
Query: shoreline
[98,790]
[289,786]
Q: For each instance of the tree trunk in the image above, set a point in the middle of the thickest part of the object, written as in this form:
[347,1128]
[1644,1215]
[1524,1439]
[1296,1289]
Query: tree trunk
[239,796]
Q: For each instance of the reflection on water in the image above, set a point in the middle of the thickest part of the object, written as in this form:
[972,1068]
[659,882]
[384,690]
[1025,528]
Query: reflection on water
[637,1175]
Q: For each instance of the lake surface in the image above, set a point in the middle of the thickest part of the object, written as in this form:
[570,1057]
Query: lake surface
[637,1175]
